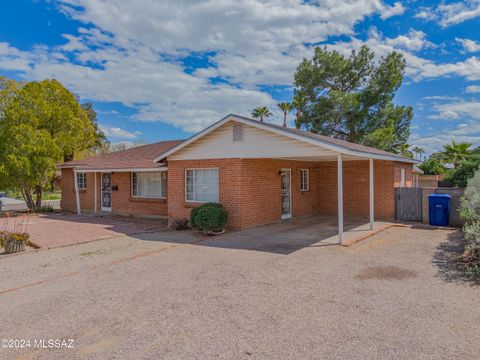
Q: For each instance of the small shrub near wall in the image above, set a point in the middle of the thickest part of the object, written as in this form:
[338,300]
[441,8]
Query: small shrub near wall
[470,212]
[210,218]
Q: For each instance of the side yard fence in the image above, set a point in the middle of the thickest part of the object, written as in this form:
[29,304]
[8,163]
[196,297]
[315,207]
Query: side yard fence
[411,204]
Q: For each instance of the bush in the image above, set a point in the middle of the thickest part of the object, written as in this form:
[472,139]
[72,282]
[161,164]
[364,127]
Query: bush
[179,224]
[210,217]
[6,235]
[470,212]
[463,172]
[44,209]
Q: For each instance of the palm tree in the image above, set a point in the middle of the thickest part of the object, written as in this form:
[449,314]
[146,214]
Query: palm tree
[418,151]
[455,153]
[298,104]
[261,112]
[286,107]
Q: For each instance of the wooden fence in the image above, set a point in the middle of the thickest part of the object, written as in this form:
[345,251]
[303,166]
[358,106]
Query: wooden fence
[408,204]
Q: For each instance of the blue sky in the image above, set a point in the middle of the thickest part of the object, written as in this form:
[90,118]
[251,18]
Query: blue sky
[162,70]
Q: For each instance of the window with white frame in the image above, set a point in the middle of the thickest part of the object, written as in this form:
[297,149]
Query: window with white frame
[201,185]
[149,184]
[304,180]
[402,177]
[82,181]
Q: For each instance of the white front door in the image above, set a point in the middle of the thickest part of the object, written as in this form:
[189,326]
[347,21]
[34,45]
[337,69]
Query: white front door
[286,193]
[106,192]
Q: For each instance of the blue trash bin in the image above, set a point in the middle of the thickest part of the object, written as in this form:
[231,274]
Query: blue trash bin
[439,209]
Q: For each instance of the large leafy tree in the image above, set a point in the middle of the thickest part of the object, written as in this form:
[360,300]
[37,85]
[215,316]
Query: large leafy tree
[351,97]
[432,166]
[42,124]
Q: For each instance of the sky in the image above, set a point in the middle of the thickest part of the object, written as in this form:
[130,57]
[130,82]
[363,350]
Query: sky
[158,70]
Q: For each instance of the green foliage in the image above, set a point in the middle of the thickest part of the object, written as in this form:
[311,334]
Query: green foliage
[261,112]
[41,124]
[44,209]
[209,217]
[432,166]
[470,212]
[351,97]
[285,107]
[463,171]
[455,153]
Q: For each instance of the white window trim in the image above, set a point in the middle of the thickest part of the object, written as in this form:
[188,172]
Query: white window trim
[402,177]
[144,197]
[78,182]
[308,179]
[185,187]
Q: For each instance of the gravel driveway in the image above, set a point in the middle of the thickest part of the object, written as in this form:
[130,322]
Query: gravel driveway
[177,295]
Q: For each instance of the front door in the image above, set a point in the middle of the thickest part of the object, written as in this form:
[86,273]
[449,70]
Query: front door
[286,193]
[106,192]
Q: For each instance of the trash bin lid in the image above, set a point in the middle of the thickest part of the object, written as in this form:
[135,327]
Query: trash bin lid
[439,196]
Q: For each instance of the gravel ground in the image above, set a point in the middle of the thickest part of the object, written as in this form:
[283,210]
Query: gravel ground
[179,295]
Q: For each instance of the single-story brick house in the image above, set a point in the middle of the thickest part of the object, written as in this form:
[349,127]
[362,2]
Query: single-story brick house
[260,172]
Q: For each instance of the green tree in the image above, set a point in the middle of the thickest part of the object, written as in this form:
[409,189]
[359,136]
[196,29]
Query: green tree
[298,104]
[432,166]
[455,153]
[286,107]
[460,175]
[100,141]
[42,124]
[418,151]
[351,97]
[261,112]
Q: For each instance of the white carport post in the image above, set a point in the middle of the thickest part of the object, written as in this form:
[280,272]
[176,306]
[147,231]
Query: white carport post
[340,197]
[77,194]
[95,191]
[372,212]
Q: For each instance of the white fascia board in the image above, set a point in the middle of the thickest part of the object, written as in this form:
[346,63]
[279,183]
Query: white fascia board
[259,125]
[160,169]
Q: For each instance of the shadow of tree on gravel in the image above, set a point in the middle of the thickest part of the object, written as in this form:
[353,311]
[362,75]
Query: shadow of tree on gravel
[448,260]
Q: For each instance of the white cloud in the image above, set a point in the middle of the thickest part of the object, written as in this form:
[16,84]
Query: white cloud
[116,132]
[469,45]
[389,11]
[448,14]
[134,53]
[456,110]
[455,13]
[473,89]
[415,40]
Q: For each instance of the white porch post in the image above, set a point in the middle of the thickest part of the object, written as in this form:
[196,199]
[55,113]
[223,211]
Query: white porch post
[372,212]
[340,197]
[95,191]
[77,194]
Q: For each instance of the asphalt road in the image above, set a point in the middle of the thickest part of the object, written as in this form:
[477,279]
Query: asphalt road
[175,295]
[9,204]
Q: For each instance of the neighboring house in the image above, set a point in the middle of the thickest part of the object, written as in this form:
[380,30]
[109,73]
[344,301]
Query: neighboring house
[260,172]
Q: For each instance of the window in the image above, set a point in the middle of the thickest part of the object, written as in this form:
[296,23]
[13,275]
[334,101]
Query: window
[304,180]
[238,132]
[201,185]
[402,177]
[82,181]
[149,184]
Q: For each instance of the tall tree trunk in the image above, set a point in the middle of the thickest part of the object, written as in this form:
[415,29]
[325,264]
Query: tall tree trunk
[27,196]
[297,123]
[261,118]
[284,119]
[39,193]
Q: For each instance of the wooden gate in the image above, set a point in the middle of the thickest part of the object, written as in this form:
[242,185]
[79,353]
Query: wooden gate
[408,204]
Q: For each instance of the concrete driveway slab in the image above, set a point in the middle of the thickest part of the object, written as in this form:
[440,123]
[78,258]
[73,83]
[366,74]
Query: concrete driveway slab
[180,295]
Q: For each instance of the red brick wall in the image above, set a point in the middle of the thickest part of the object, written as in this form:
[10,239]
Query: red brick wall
[408,174]
[356,188]
[250,189]
[122,202]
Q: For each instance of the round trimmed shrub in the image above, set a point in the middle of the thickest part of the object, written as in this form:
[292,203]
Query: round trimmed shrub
[210,217]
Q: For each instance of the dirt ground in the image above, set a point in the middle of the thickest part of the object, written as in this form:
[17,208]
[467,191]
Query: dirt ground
[262,293]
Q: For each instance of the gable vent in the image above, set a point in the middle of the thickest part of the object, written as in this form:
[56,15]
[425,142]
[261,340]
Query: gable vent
[238,132]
